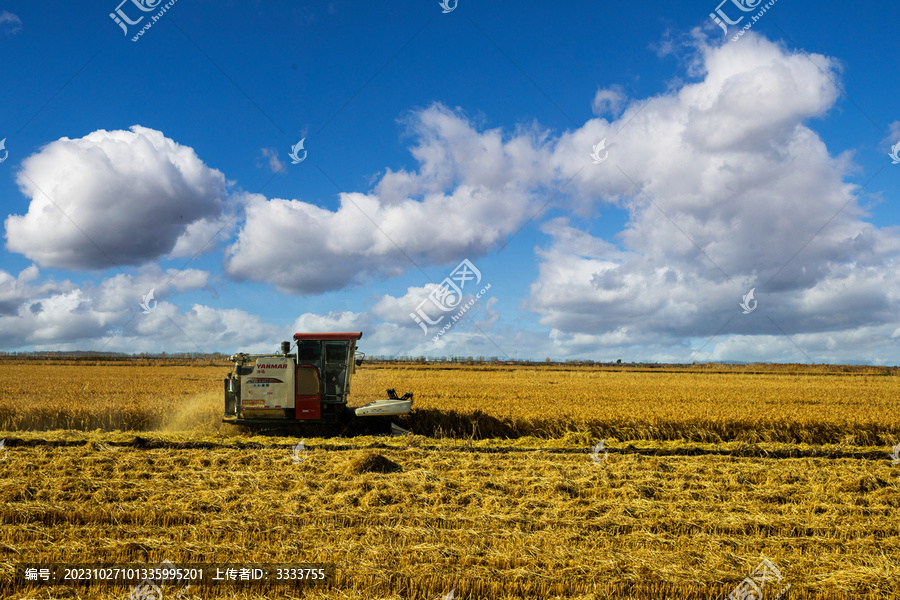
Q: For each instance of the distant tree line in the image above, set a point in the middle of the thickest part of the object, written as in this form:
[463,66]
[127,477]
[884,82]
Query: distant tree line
[219,359]
[218,356]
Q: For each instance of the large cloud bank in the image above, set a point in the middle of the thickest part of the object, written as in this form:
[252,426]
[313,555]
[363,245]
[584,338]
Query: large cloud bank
[726,185]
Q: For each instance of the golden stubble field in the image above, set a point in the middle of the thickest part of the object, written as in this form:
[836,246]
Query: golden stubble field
[707,473]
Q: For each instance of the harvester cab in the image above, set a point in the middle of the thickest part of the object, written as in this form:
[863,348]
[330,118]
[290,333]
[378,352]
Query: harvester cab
[310,385]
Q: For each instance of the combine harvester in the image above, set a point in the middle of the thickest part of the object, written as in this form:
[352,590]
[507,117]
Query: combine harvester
[288,392]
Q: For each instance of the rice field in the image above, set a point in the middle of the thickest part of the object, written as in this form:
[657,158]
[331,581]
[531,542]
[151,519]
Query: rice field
[496,494]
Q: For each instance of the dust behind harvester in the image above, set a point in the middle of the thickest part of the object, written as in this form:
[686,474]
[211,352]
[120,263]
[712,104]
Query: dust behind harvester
[307,387]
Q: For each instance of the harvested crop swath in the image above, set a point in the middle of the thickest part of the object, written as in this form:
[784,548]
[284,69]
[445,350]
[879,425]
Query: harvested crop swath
[523,526]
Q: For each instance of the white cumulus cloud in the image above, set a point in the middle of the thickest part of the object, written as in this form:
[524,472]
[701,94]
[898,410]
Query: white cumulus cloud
[724,182]
[114,198]
[471,191]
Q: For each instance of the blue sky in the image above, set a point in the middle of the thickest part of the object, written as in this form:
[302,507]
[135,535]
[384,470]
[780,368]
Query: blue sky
[432,138]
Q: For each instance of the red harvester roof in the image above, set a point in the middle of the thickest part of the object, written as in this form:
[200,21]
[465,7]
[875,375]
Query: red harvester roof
[347,335]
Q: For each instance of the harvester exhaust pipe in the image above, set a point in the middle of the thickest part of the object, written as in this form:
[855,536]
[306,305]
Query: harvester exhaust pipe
[285,348]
